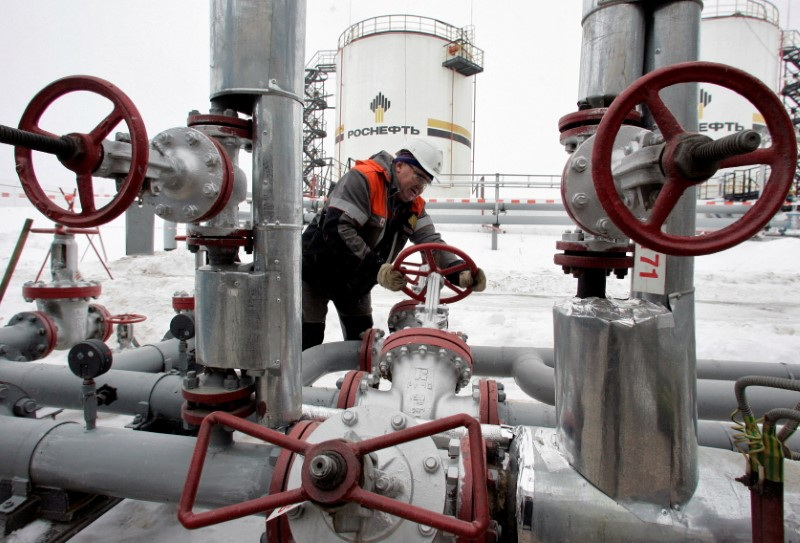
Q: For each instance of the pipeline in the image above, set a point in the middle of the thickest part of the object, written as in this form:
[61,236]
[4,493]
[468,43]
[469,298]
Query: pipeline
[55,455]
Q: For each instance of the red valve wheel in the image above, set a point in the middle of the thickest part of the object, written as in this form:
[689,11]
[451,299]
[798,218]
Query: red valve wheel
[90,155]
[126,318]
[346,488]
[781,156]
[413,270]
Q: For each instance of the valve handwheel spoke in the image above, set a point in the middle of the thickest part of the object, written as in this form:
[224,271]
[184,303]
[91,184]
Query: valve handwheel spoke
[413,271]
[89,155]
[781,157]
[346,486]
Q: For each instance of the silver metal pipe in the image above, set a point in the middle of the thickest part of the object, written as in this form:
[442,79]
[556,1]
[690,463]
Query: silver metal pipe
[554,503]
[123,463]
[257,68]
[612,49]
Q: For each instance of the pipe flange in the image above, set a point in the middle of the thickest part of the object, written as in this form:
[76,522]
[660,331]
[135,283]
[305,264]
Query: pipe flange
[103,316]
[489,403]
[399,343]
[47,334]
[442,339]
[401,313]
[182,302]
[196,414]
[278,528]
[66,290]
[350,387]
[223,125]
[367,350]
[231,239]
[201,187]
[216,391]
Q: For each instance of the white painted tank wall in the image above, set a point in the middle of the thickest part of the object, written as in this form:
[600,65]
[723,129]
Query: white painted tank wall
[750,43]
[392,86]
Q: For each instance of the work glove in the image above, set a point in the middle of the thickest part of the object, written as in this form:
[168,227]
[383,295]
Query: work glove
[391,279]
[477,282]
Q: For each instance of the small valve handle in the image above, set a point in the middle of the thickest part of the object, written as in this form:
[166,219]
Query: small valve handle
[413,271]
[126,318]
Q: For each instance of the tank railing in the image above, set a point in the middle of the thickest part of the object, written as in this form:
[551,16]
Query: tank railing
[790,39]
[756,9]
[402,23]
[465,49]
[732,182]
[323,57]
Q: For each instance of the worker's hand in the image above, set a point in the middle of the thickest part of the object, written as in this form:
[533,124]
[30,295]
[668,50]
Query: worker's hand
[391,279]
[477,281]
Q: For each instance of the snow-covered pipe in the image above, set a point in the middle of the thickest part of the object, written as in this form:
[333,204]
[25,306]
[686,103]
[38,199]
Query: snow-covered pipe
[127,464]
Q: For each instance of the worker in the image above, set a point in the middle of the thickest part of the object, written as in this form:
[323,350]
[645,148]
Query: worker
[349,245]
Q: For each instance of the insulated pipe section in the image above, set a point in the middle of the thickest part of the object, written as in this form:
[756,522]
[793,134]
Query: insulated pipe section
[612,50]
[55,455]
[257,62]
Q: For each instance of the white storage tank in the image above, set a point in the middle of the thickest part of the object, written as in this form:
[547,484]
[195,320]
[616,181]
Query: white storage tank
[744,34]
[400,76]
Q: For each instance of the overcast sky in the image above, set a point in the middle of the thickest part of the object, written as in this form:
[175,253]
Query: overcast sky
[157,52]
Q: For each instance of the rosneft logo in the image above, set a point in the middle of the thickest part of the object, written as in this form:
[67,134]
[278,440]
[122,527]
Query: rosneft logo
[379,106]
[705,99]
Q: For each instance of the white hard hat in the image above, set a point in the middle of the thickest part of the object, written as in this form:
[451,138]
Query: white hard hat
[427,153]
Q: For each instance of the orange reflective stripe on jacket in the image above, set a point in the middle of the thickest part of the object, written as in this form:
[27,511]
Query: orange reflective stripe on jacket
[377,179]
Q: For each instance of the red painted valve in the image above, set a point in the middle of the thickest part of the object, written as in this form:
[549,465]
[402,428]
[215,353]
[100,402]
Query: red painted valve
[413,270]
[126,318]
[331,473]
[89,153]
[781,156]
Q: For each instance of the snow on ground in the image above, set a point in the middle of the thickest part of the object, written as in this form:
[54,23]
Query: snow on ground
[748,308]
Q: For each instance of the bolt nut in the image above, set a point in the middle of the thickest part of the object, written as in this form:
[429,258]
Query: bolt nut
[296,512]
[191,138]
[579,163]
[211,160]
[210,190]
[580,200]
[163,210]
[398,421]
[349,417]
[431,464]
[426,530]
[190,210]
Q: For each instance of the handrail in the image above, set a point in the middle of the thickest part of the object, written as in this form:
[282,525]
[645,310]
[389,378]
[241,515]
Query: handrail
[756,9]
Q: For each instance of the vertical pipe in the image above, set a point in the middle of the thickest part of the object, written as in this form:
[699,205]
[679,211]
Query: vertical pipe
[612,49]
[257,62]
[674,36]
[277,190]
